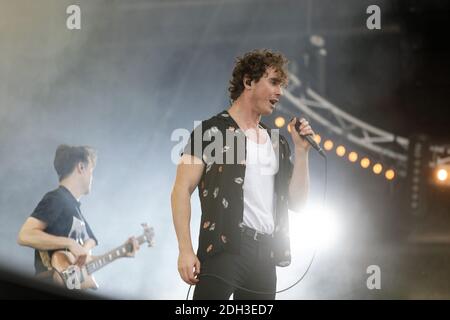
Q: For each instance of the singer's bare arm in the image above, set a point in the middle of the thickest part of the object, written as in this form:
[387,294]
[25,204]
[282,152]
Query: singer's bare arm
[189,173]
[299,184]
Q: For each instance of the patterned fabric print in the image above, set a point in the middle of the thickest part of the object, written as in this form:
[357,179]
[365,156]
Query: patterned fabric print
[221,188]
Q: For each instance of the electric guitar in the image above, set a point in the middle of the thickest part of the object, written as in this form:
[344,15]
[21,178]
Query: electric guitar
[70,275]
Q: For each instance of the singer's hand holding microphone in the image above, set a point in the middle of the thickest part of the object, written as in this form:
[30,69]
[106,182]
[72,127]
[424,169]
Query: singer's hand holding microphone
[303,135]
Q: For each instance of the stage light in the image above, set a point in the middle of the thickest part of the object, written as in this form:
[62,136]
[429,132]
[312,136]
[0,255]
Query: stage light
[353,156]
[418,158]
[377,168]
[389,174]
[315,227]
[340,151]
[280,122]
[317,40]
[328,145]
[442,174]
[365,163]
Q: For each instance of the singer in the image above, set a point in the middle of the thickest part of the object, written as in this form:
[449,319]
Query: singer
[244,231]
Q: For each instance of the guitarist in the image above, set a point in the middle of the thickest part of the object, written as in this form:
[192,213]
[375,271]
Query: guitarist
[57,222]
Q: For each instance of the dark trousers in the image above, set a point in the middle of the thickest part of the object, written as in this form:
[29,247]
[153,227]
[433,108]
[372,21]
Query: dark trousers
[251,269]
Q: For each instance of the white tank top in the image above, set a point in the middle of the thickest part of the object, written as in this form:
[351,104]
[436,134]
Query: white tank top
[261,167]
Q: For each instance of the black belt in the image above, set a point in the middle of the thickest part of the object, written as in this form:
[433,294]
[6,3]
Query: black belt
[256,235]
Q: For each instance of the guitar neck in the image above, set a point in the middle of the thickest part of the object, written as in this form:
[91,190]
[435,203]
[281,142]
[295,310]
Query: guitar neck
[119,252]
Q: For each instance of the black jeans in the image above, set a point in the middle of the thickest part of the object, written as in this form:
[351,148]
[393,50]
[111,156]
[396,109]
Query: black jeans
[251,269]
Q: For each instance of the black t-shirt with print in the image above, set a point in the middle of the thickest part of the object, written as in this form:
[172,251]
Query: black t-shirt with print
[221,187]
[61,212]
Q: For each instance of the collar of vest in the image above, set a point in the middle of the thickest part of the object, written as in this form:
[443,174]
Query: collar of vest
[226,117]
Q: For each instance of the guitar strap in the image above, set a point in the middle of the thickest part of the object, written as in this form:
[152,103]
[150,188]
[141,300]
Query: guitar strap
[45,258]
[46,261]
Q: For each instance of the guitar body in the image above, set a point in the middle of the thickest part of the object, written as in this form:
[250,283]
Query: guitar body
[74,277]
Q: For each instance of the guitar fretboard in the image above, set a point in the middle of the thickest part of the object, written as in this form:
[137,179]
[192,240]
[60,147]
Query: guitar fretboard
[112,255]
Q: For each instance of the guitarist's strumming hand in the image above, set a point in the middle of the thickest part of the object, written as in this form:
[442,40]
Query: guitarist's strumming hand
[133,246]
[80,253]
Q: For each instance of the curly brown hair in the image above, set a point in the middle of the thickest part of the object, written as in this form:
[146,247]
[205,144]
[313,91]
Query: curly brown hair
[254,64]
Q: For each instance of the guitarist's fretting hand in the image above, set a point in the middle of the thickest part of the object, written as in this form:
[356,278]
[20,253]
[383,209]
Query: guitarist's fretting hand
[135,246]
[80,253]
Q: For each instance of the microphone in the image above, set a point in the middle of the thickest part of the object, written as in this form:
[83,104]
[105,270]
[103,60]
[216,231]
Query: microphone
[310,140]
